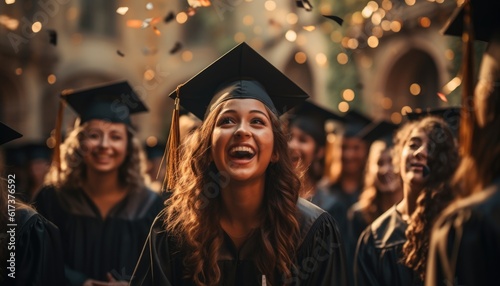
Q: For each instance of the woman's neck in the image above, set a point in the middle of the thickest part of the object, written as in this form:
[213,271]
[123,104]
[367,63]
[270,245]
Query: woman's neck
[350,183]
[388,199]
[242,204]
[409,203]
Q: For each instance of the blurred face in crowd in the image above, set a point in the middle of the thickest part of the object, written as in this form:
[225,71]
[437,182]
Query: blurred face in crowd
[243,140]
[104,145]
[354,153]
[414,158]
[386,181]
[303,148]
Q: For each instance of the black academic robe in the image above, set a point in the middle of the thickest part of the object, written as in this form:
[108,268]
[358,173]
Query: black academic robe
[465,243]
[320,257]
[379,253]
[94,246]
[38,253]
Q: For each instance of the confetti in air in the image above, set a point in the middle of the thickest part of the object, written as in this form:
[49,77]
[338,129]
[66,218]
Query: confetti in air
[304,4]
[122,10]
[199,3]
[120,53]
[176,48]
[337,19]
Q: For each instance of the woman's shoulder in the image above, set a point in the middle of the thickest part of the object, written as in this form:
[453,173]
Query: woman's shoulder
[314,221]
[388,230]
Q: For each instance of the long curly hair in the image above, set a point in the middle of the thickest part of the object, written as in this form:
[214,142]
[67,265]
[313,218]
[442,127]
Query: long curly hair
[132,172]
[192,212]
[370,201]
[442,160]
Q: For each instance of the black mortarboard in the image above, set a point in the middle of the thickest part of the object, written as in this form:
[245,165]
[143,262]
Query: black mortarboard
[485,19]
[240,73]
[355,122]
[155,151]
[112,102]
[451,115]
[311,118]
[7,134]
[37,150]
[381,130]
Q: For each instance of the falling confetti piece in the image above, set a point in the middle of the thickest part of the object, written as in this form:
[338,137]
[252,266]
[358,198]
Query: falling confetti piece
[122,10]
[149,6]
[157,32]
[170,16]
[146,23]
[52,37]
[304,4]
[134,24]
[120,53]
[199,3]
[309,28]
[337,19]
[442,96]
[176,48]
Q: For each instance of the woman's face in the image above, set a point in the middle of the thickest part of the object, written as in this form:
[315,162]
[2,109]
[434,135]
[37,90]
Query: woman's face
[414,158]
[354,153]
[104,145]
[243,140]
[386,180]
[302,147]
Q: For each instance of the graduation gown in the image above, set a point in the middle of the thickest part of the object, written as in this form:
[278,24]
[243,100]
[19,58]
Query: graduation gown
[465,243]
[320,257]
[94,246]
[379,252]
[38,252]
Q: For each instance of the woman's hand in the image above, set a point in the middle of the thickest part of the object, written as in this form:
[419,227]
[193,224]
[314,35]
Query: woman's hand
[111,282]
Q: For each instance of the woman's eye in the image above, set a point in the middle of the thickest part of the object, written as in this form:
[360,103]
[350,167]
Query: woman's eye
[258,121]
[226,120]
[94,136]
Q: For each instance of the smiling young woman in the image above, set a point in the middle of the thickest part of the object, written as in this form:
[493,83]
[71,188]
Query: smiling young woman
[393,249]
[98,198]
[234,216]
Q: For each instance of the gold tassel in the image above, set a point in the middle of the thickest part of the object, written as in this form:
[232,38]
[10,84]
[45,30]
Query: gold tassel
[56,156]
[171,154]
[467,118]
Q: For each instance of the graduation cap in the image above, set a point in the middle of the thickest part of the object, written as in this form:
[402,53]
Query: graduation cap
[381,130]
[37,151]
[311,118]
[355,122]
[113,102]
[7,134]
[485,19]
[450,115]
[241,73]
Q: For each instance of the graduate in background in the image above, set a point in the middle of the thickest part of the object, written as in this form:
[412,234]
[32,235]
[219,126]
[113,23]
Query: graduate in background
[38,256]
[465,244]
[235,216]
[393,249]
[307,146]
[98,198]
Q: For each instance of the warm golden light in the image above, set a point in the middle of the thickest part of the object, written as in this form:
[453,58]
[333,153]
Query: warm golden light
[19,71]
[366,12]
[343,106]
[377,32]
[149,74]
[372,41]
[386,103]
[321,59]
[348,95]
[300,57]
[396,26]
[396,118]
[410,2]
[406,109]
[336,36]
[248,20]
[376,18]
[387,5]
[151,141]
[415,89]
[291,36]
[36,27]
[309,28]
[8,2]
[386,25]
[357,18]
[449,54]
[122,10]
[270,5]
[342,58]
[51,79]
[425,22]
[239,37]
[292,18]
[352,43]
[187,56]
[181,18]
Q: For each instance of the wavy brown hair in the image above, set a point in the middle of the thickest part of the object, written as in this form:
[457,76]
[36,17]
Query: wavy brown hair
[370,201]
[193,216]
[132,172]
[442,159]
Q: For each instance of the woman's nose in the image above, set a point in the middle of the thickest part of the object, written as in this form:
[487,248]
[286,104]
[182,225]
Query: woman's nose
[242,131]
[421,152]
